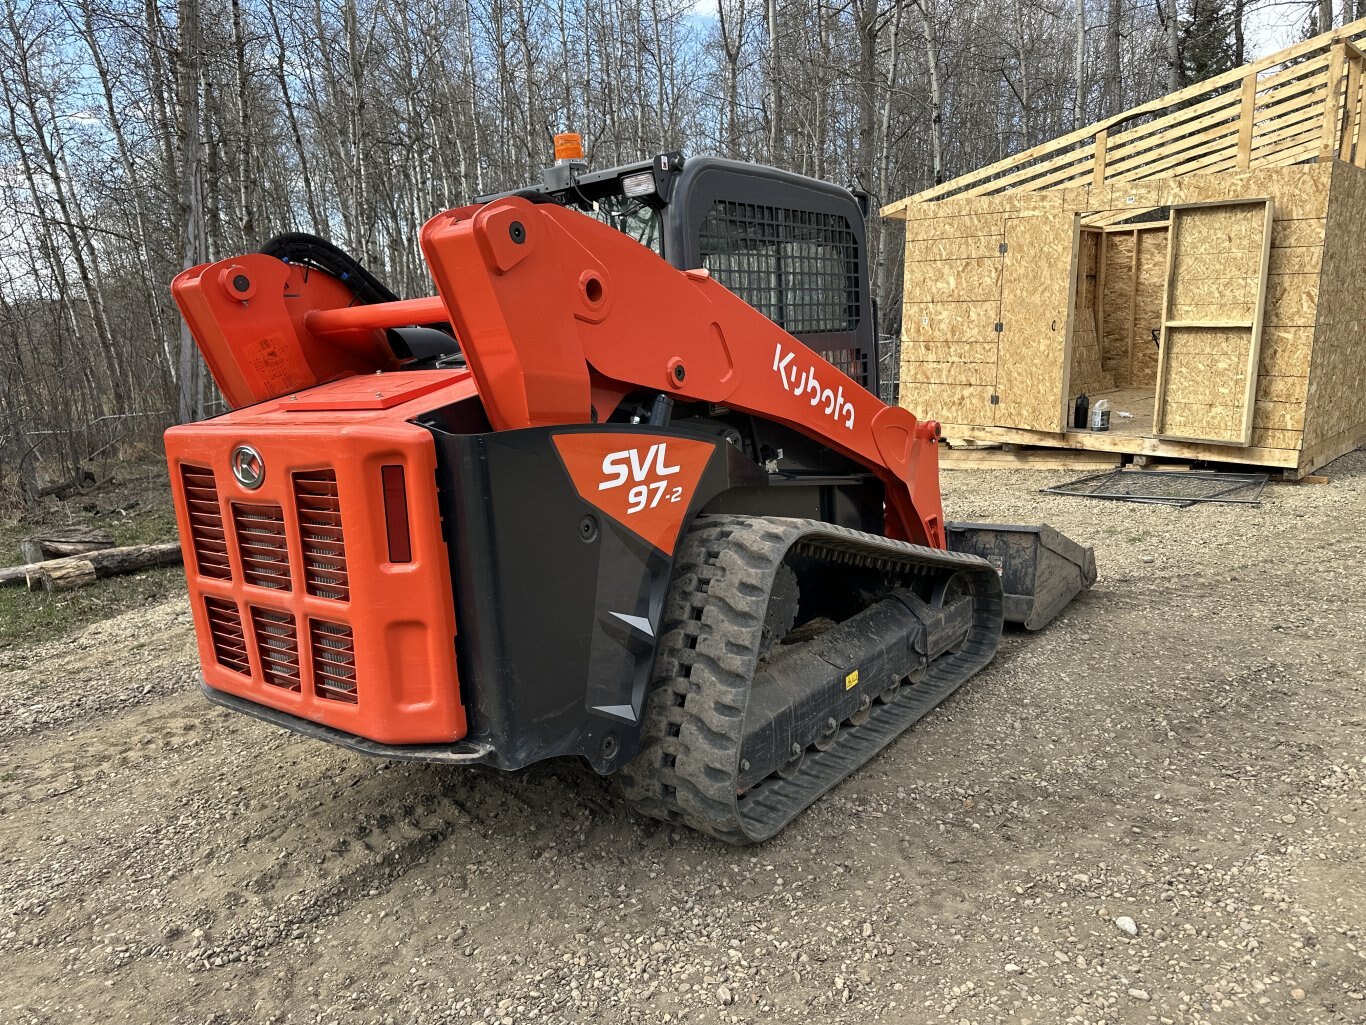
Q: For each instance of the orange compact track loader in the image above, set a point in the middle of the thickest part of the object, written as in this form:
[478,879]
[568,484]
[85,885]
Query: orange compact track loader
[622,489]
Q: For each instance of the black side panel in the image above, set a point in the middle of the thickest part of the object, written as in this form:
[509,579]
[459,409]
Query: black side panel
[555,612]
[790,246]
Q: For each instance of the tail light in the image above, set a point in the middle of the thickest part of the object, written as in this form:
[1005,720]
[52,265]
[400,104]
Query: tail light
[396,514]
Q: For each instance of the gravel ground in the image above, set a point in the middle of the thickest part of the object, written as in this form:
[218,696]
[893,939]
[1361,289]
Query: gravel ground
[1152,812]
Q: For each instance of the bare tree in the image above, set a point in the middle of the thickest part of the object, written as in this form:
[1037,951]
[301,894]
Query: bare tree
[191,192]
[193,132]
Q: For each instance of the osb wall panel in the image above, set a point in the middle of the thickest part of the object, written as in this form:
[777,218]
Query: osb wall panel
[926,250]
[1087,373]
[957,372]
[951,304]
[1215,276]
[1030,369]
[1301,192]
[948,403]
[1217,263]
[1206,379]
[1149,289]
[1292,288]
[954,280]
[948,321]
[1336,405]
[1117,304]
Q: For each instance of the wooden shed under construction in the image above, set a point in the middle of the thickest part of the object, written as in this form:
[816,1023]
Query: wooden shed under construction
[1199,261]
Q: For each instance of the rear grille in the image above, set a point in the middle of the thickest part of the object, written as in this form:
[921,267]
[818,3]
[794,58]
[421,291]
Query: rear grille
[261,544]
[206,522]
[334,661]
[277,648]
[320,528]
[225,630]
[282,631]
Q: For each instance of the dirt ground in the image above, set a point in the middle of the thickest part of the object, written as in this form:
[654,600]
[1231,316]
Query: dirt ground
[1185,749]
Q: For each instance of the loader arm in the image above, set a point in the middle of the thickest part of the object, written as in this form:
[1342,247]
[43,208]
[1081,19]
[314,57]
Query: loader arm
[560,314]
[560,317]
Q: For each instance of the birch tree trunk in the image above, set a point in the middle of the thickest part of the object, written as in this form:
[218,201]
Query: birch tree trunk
[774,97]
[1079,68]
[1173,39]
[936,93]
[191,194]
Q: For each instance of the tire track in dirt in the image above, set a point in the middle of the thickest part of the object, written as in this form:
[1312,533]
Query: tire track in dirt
[1185,748]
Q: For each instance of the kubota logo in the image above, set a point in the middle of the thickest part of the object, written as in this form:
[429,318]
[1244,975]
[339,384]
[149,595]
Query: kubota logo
[805,383]
[627,465]
[248,467]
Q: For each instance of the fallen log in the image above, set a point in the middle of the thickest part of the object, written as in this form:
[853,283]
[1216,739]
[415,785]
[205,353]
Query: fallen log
[77,482]
[106,562]
[62,575]
[14,575]
[60,543]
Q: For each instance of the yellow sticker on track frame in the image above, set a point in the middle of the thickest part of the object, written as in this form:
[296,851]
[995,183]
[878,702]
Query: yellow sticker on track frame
[851,681]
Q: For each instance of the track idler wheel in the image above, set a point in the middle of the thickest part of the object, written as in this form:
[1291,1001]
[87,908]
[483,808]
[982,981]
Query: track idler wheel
[865,709]
[793,765]
[827,739]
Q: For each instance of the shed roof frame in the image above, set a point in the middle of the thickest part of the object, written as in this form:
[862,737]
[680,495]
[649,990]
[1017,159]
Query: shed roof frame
[1303,103]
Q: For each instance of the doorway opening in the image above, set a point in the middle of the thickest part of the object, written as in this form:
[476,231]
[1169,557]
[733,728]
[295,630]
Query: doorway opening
[1117,322]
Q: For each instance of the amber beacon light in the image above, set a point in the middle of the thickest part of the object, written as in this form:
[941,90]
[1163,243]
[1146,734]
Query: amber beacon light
[568,148]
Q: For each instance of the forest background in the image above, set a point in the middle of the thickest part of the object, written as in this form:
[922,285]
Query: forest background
[139,137]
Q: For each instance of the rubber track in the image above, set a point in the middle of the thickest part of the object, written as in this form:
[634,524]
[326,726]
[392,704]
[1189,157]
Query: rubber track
[693,721]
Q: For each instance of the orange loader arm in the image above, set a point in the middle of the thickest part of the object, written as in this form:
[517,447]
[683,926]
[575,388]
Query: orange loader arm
[560,317]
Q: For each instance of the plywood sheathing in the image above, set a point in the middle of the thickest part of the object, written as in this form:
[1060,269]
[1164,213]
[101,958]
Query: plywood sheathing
[953,367]
[1335,410]
[1117,304]
[940,330]
[1034,341]
[1088,372]
[1131,303]
[1151,277]
[1217,266]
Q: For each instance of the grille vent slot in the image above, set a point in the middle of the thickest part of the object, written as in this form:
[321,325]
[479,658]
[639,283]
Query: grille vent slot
[206,522]
[320,528]
[334,661]
[225,630]
[262,545]
[277,648]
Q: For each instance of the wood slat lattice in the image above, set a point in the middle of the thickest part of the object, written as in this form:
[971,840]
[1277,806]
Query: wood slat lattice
[1302,103]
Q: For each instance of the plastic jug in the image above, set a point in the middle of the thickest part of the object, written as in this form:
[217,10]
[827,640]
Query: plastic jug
[1100,415]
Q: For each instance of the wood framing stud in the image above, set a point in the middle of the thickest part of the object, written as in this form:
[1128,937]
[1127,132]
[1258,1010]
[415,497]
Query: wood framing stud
[1332,110]
[1247,110]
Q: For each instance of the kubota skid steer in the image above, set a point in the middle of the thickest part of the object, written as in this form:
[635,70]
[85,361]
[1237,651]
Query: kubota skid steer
[622,489]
